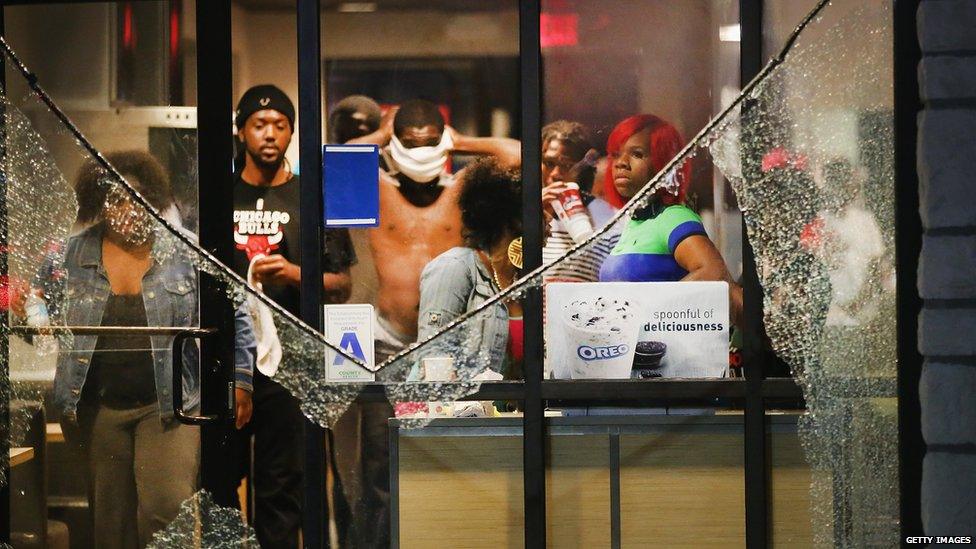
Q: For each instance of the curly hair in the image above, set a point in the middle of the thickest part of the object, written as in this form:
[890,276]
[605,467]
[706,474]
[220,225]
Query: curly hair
[574,135]
[578,141]
[142,170]
[490,202]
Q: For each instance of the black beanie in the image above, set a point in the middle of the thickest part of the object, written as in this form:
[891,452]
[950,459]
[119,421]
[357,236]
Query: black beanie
[264,96]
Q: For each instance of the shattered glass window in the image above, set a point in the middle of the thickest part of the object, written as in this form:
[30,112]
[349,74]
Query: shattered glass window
[202,523]
[808,151]
[816,140]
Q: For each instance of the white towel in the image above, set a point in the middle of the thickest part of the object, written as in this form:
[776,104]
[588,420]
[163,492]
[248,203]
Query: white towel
[265,332]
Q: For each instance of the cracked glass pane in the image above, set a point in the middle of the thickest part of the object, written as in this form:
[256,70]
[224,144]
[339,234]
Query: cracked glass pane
[27,166]
[810,156]
[72,391]
[202,523]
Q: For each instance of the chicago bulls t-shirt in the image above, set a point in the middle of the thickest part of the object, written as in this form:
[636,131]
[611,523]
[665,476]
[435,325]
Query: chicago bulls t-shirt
[266,222]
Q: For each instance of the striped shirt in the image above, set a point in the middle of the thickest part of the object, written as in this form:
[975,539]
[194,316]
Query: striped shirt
[585,265]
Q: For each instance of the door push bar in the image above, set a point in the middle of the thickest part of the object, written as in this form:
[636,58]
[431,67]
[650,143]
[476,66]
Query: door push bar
[108,330]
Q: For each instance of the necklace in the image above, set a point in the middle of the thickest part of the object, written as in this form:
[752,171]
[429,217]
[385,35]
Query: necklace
[494,275]
[494,272]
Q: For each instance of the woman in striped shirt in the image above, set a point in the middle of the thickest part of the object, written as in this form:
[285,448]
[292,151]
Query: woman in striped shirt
[565,145]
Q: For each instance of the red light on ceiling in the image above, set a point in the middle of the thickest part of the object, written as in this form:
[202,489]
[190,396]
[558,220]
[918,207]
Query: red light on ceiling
[174,30]
[558,29]
[128,32]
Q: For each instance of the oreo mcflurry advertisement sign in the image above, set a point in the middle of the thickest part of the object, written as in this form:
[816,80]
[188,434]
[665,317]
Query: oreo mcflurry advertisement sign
[618,330]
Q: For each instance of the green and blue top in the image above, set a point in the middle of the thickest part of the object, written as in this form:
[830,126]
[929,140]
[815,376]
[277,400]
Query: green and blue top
[645,251]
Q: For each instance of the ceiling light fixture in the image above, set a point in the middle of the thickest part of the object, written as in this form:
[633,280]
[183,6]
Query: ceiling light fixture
[730,33]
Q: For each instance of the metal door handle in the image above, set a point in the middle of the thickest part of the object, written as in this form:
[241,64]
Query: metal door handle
[181,337]
[132,331]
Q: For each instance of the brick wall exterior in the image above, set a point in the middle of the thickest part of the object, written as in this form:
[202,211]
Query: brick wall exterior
[947,266]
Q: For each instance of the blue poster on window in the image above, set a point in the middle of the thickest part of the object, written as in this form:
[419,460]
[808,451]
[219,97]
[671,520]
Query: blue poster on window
[350,177]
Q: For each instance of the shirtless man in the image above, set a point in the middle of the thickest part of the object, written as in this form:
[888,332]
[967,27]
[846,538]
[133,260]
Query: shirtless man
[419,219]
[419,216]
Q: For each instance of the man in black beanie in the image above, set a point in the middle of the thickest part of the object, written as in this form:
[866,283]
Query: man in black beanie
[268,254]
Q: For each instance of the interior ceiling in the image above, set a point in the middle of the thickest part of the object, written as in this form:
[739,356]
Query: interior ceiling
[391,5]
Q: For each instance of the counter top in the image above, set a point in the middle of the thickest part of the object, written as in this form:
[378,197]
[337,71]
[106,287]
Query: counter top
[588,425]
[20,456]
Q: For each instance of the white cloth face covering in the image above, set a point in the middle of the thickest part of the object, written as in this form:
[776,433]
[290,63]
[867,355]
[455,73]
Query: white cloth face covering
[422,164]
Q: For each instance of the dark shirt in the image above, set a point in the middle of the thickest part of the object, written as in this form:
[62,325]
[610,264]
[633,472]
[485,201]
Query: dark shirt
[121,374]
[266,221]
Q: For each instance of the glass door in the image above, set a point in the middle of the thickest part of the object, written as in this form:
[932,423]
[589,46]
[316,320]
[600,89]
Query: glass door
[121,382]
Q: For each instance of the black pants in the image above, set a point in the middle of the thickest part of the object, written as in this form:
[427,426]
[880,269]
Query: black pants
[360,455]
[276,473]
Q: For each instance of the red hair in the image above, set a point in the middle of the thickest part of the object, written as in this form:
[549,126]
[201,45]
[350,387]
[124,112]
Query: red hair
[664,142]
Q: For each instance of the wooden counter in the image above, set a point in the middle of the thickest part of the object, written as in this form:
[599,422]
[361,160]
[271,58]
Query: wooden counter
[53,433]
[19,456]
[642,481]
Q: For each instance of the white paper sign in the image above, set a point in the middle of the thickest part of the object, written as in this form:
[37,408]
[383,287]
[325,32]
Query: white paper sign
[615,330]
[351,328]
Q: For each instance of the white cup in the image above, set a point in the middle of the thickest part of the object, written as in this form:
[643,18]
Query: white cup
[599,353]
[438,368]
[572,213]
[578,227]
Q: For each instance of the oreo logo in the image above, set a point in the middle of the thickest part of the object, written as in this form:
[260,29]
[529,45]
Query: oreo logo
[599,353]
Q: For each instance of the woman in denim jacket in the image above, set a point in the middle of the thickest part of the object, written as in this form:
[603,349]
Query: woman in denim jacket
[463,278]
[115,392]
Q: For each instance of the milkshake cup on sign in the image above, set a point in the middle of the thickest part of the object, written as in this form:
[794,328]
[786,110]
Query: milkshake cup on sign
[602,334]
[572,213]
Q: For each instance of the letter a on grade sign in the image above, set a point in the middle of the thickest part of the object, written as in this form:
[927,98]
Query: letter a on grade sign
[350,344]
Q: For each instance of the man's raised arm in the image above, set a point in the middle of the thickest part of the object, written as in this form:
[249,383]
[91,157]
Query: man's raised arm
[508,151]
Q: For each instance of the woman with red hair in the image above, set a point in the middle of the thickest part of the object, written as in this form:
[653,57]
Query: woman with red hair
[665,240]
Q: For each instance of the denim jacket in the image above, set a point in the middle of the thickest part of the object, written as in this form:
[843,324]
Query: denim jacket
[452,284]
[77,293]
